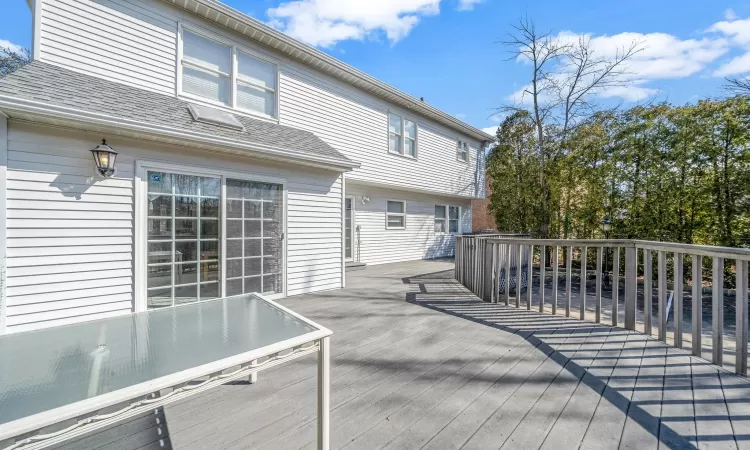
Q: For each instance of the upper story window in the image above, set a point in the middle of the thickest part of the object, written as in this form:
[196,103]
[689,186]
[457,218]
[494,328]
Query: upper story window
[221,73]
[402,136]
[462,152]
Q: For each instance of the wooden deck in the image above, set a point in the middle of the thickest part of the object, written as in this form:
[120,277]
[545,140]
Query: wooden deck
[419,362]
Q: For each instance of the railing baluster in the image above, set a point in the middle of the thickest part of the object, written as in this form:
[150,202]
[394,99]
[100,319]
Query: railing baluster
[717,313]
[518,275]
[529,276]
[697,300]
[542,275]
[647,291]
[631,291]
[662,258]
[615,286]
[678,310]
[598,301]
[555,273]
[582,305]
[508,254]
[741,310]
[568,280]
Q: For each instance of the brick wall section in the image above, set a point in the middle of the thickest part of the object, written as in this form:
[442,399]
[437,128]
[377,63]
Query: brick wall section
[481,218]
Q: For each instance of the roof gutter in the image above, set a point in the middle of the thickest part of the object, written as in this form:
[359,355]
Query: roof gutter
[9,103]
[343,67]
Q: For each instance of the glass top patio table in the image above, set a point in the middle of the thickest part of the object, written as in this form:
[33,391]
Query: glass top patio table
[55,367]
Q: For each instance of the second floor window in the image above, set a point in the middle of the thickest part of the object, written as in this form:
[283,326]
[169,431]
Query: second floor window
[402,136]
[463,151]
[208,72]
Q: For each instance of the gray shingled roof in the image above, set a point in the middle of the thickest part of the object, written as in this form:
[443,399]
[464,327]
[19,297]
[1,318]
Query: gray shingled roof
[53,85]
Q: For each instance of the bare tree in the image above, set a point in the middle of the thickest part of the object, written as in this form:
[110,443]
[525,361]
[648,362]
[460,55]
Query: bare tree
[584,74]
[739,86]
[564,78]
[12,60]
[541,50]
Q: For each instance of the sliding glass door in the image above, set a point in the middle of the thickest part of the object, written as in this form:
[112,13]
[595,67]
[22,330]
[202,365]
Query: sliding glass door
[210,237]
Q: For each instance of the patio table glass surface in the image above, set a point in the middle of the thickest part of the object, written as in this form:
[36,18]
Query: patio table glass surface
[45,369]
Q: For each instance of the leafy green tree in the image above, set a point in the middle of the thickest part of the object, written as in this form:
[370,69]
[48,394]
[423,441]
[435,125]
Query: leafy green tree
[12,60]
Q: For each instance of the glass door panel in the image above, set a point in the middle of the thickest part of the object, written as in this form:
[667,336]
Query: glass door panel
[254,237]
[183,239]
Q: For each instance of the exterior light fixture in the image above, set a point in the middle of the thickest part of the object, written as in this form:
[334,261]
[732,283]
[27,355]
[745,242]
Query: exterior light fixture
[104,157]
[365,199]
[606,225]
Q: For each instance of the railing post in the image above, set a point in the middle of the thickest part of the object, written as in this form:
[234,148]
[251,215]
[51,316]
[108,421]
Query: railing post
[487,270]
[678,309]
[717,314]
[457,258]
[568,280]
[741,309]
[529,276]
[697,314]
[631,291]
[647,291]
[598,304]
[542,275]
[662,296]
[615,286]
[518,276]
[508,254]
[582,305]
[555,274]
[496,266]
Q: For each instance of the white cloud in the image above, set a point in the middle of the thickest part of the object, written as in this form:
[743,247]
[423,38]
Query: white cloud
[322,23]
[468,5]
[11,46]
[729,14]
[737,31]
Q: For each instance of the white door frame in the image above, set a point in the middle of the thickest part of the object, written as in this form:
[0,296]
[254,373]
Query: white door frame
[353,226]
[141,219]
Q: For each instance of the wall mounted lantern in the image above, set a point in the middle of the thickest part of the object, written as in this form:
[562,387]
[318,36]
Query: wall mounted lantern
[104,157]
[365,199]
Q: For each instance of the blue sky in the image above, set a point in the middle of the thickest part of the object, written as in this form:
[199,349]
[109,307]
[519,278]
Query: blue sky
[446,51]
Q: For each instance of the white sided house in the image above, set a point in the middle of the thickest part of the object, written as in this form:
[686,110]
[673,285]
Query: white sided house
[246,162]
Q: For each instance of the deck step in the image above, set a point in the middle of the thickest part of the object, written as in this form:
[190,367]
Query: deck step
[352,265]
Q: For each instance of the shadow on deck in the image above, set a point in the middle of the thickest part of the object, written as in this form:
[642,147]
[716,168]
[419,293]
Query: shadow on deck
[651,394]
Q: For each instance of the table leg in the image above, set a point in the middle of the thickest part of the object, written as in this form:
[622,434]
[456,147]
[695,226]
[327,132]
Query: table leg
[324,393]
[253,376]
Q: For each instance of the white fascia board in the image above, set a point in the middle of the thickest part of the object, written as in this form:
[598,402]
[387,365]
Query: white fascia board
[9,103]
[393,187]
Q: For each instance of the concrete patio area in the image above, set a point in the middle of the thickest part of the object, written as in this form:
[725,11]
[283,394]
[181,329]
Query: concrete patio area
[419,362]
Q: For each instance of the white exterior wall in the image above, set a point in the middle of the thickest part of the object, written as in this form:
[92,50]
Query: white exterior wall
[135,42]
[379,245]
[70,234]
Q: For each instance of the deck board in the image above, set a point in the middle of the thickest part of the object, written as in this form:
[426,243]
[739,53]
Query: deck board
[419,362]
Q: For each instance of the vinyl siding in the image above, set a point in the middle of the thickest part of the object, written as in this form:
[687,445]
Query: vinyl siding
[70,234]
[418,240]
[135,42]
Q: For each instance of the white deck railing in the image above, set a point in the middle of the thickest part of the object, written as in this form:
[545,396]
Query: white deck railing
[480,258]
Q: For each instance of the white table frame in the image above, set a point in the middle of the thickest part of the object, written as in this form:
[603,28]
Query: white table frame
[73,420]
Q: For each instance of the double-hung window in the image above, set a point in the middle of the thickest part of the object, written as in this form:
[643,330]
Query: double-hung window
[446,219]
[222,73]
[395,215]
[402,136]
[462,151]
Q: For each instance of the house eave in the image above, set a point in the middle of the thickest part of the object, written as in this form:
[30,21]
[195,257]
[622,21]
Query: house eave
[91,121]
[254,29]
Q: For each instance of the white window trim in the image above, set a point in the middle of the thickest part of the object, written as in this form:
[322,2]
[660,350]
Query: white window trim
[141,222]
[403,137]
[234,78]
[463,145]
[448,219]
[389,214]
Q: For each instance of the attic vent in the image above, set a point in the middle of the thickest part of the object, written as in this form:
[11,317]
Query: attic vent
[214,117]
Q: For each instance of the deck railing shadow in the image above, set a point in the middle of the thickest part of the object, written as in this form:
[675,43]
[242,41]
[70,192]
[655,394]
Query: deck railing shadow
[547,334]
